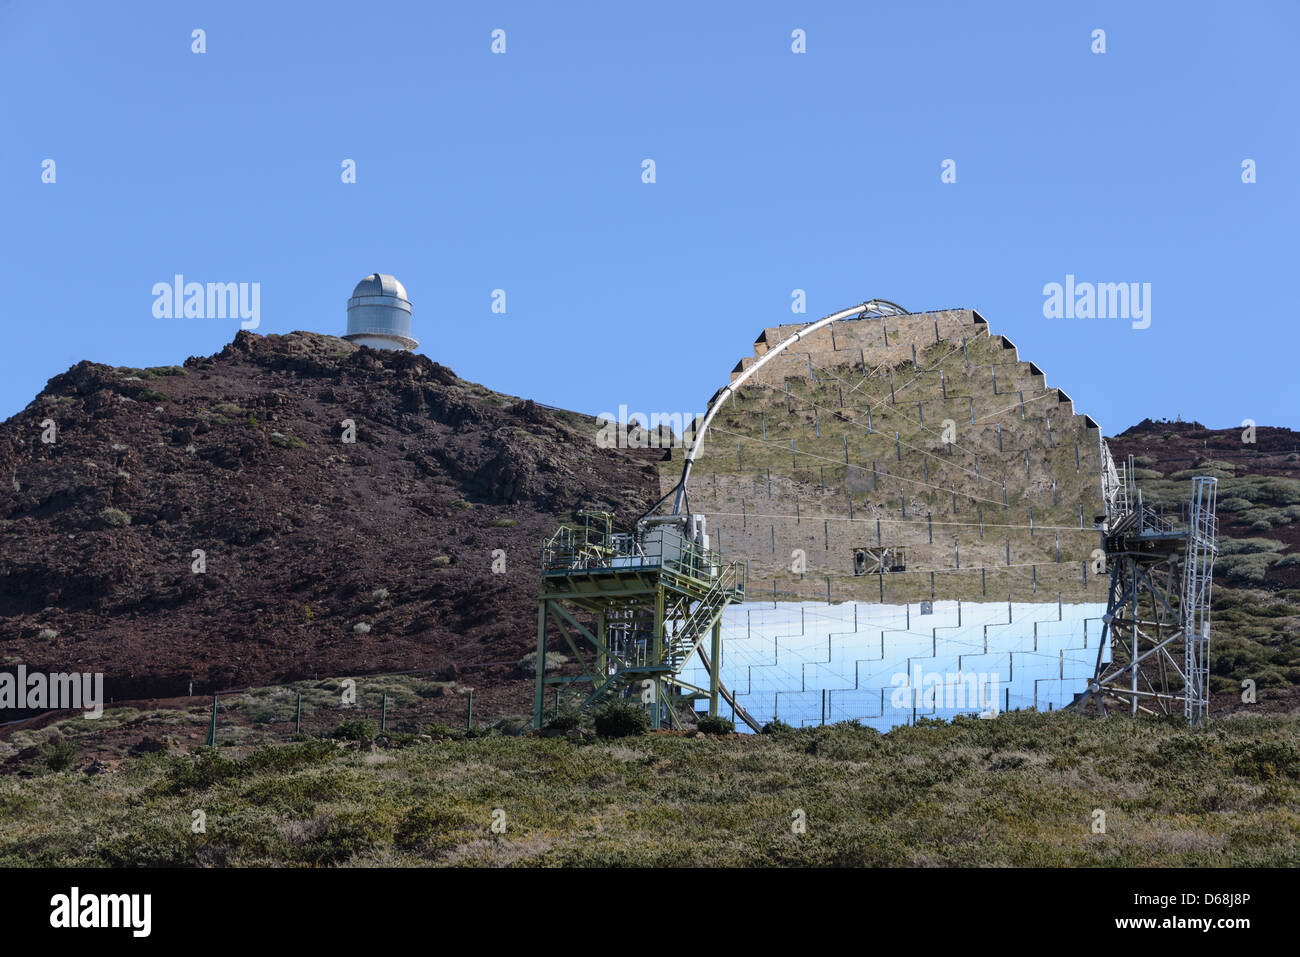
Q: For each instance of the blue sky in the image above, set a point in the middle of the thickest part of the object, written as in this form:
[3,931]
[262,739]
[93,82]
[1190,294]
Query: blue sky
[775,171]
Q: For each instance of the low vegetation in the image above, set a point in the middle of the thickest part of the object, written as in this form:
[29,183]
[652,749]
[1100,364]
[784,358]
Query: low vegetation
[114,517]
[1021,790]
[621,720]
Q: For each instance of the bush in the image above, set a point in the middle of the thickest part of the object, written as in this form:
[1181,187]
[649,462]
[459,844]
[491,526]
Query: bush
[1234,503]
[361,628]
[207,768]
[554,662]
[443,731]
[287,441]
[564,721]
[621,721]
[504,523]
[47,634]
[115,517]
[440,561]
[59,754]
[711,725]
[379,594]
[513,727]
[354,730]
[777,726]
[1249,546]
[1245,568]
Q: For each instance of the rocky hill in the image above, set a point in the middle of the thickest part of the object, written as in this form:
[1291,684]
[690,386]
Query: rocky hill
[209,523]
[1259,490]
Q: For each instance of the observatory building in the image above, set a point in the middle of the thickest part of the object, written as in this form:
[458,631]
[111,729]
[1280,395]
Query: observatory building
[379,314]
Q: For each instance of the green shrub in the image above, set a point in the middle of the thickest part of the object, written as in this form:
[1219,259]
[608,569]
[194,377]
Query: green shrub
[379,594]
[444,731]
[114,517]
[1271,759]
[777,726]
[206,768]
[564,721]
[1245,568]
[287,441]
[287,757]
[554,662]
[509,726]
[621,720]
[1248,546]
[504,523]
[429,826]
[354,730]
[59,754]
[440,561]
[711,725]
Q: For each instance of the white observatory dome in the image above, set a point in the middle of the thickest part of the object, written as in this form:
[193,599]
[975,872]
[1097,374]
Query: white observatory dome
[379,314]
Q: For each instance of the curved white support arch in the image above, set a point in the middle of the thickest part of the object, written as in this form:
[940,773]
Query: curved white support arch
[876,306]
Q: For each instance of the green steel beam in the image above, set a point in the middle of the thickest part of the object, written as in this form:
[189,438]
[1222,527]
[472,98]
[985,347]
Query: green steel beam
[541,664]
[715,669]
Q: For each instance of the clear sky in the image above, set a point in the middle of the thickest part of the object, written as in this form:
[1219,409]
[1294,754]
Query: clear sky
[775,171]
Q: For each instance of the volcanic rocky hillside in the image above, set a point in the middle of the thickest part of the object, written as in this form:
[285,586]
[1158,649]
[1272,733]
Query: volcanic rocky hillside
[1259,491]
[307,540]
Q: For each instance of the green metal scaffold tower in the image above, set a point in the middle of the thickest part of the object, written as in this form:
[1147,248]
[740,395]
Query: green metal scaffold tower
[632,610]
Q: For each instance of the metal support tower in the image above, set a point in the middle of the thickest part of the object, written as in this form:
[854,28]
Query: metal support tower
[1157,621]
[633,609]
[1202,546]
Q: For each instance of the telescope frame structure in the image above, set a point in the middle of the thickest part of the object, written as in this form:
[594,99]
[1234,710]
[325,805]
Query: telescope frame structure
[655,600]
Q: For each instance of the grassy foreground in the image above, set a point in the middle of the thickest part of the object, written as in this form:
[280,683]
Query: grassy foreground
[1023,789]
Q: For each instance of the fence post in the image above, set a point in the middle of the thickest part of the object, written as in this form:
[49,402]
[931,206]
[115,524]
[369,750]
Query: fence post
[383,712]
[297,720]
[212,726]
[469,711]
